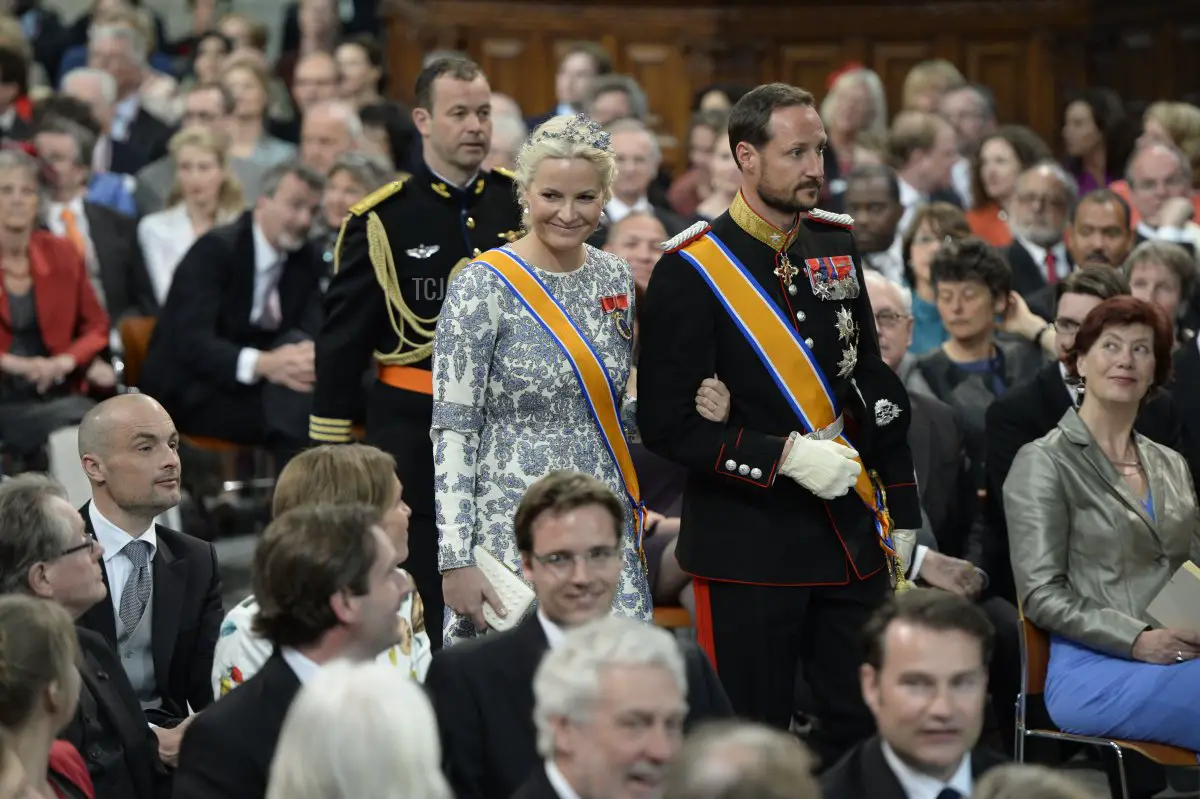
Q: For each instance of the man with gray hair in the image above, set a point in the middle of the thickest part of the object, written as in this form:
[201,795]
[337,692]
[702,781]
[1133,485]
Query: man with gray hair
[329,130]
[138,136]
[741,759]
[232,355]
[638,159]
[45,552]
[1160,190]
[508,134]
[98,90]
[1037,213]
[609,710]
[613,97]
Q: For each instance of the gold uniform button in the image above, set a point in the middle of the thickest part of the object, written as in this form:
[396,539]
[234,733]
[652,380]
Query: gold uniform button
[470,223]
[478,251]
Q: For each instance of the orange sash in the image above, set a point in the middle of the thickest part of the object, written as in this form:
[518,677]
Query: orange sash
[601,396]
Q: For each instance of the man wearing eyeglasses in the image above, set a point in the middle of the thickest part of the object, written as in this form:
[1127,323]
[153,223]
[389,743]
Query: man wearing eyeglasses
[1160,188]
[45,552]
[1037,214]
[568,533]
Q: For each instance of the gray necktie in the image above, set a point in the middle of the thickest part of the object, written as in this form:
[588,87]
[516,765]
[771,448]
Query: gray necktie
[137,588]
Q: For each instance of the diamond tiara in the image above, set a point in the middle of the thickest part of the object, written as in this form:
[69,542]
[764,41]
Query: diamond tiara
[581,130]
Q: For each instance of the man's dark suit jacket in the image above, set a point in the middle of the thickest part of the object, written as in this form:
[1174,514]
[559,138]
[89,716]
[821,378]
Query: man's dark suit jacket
[1025,413]
[863,772]
[127,286]
[537,787]
[1027,276]
[483,693]
[120,714]
[187,618]
[205,321]
[145,143]
[227,751]
[940,462]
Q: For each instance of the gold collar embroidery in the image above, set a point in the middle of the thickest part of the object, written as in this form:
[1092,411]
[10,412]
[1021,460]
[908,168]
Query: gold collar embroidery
[749,220]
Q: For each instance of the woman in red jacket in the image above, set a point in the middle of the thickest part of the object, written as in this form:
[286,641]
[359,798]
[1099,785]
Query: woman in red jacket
[52,326]
[39,690]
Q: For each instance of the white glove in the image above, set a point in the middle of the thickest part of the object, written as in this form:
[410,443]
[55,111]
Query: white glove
[905,542]
[825,468]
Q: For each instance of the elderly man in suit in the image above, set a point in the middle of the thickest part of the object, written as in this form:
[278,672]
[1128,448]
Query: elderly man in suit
[46,552]
[638,159]
[586,690]
[329,586]
[1037,214]
[232,355]
[166,609]
[568,532]
[926,745]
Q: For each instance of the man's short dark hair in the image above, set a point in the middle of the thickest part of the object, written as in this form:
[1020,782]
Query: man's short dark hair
[277,172]
[593,50]
[72,108]
[457,68]
[1102,197]
[228,101]
[85,140]
[14,69]
[1102,282]
[750,118]
[306,556]
[972,259]
[559,492]
[876,172]
[932,609]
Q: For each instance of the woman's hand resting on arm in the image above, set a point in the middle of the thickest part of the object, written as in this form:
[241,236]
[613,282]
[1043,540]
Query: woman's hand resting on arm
[1166,646]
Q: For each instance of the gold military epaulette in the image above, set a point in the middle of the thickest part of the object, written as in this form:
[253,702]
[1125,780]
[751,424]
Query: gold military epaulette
[379,195]
[508,173]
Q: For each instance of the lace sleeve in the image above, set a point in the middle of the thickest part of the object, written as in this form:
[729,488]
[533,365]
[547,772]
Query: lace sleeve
[462,356]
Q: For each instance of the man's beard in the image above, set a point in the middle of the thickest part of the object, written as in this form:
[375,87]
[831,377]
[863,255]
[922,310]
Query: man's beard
[787,203]
[1045,237]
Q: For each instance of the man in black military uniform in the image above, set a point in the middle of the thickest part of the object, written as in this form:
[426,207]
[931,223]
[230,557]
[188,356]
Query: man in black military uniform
[398,251]
[787,560]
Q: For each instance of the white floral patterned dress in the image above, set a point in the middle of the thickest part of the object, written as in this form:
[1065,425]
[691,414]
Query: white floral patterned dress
[508,409]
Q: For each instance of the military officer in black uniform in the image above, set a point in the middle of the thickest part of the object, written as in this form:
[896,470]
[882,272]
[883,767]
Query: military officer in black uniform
[396,254]
[787,560]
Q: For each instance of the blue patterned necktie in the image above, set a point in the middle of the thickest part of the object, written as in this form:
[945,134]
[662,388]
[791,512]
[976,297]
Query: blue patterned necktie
[137,589]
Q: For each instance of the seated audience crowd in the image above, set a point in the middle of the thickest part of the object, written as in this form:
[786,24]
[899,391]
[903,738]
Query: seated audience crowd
[174,219]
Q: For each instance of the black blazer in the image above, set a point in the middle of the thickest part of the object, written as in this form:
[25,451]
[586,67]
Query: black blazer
[1029,411]
[482,691]
[205,321]
[940,462]
[227,751]
[121,714]
[187,618]
[537,787]
[145,144]
[1027,277]
[864,772]
[127,286]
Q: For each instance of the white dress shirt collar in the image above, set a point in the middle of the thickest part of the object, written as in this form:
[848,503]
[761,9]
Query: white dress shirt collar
[909,196]
[75,204]
[124,113]
[921,786]
[303,668]
[889,262]
[8,118]
[266,257]
[114,539]
[1038,254]
[559,783]
[618,210]
[554,633]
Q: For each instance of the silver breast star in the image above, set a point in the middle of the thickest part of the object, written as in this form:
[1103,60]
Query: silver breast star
[846,326]
[848,362]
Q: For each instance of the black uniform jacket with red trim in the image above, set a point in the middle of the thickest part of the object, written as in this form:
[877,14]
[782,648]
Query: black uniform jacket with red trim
[742,521]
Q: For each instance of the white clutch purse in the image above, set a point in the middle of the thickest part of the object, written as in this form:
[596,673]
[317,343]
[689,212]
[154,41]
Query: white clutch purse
[514,593]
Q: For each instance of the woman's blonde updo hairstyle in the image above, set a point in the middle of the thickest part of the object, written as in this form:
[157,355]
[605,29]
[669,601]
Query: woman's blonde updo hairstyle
[566,137]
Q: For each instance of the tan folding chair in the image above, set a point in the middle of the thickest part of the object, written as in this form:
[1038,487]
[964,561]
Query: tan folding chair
[1035,659]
